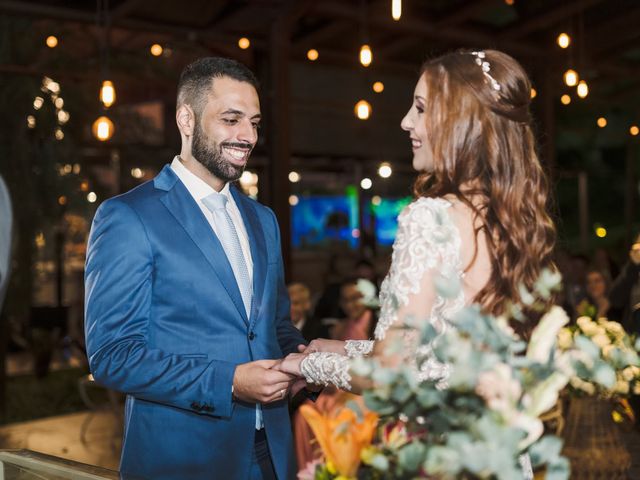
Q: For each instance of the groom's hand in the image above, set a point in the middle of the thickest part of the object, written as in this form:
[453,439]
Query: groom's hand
[257,382]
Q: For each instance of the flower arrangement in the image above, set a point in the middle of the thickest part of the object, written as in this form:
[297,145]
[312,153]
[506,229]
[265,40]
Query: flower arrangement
[483,420]
[603,348]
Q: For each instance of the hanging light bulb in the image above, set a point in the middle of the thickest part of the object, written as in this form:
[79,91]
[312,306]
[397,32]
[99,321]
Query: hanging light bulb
[244,43]
[363,110]
[156,49]
[563,40]
[583,89]
[602,122]
[565,99]
[103,129]
[52,41]
[571,78]
[378,87]
[107,93]
[312,54]
[396,9]
[366,56]
[534,92]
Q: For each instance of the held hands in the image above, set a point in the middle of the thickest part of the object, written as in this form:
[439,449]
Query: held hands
[259,382]
[291,363]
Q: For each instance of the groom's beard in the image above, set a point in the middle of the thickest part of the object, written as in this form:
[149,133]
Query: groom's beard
[210,155]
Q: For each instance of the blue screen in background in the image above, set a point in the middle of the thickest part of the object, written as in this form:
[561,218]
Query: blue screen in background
[386,215]
[320,220]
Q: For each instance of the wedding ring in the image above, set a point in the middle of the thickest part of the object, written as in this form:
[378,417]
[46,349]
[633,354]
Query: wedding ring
[283,392]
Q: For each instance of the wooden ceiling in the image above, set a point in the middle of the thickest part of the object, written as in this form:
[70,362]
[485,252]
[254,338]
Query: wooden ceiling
[605,47]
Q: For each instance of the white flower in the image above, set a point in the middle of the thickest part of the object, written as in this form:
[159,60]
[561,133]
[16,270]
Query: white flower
[601,340]
[565,339]
[545,334]
[628,374]
[621,387]
[586,387]
[606,351]
[583,321]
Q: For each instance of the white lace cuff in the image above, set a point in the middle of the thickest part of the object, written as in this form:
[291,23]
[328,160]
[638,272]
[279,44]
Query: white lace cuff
[324,368]
[358,348]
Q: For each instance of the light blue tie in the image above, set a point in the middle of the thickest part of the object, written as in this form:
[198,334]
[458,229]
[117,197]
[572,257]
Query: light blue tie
[228,236]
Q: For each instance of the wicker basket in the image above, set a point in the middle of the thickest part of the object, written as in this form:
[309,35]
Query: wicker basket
[593,442]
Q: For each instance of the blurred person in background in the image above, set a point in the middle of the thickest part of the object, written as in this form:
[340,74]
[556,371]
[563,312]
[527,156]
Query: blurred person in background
[625,291]
[602,261]
[596,305]
[300,297]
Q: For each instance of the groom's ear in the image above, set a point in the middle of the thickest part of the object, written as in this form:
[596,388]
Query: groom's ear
[186,120]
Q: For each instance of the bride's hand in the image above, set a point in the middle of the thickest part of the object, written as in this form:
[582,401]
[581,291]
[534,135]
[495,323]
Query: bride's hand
[290,364]
[323,345]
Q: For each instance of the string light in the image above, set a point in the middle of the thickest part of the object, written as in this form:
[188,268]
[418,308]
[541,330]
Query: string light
[571,78]
[294,177]
[366,56]
[583,89]
[92,197]
[63,117]
[37,103]
[601,232]
[293,200]
[363,110]
[396,9]
[385,170]
[137,172]
[534,92]
[156,49]
[52,41]
[565,99]
[107,93]
[59,134]
[312,54]
[563,40]
[378,87]
[59,102]
[634,130]
[31,121]
[244,43]
[376,200]
[602,122]
[103,129]
[366,183]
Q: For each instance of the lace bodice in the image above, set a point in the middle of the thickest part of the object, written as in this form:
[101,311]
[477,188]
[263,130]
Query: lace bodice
[427,243]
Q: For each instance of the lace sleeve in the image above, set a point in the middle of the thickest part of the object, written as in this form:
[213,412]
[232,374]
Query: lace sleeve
[358,348]
[427,240]
[324,368]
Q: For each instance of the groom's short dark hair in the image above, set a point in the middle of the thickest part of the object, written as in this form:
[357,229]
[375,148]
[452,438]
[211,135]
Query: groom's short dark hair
[196,79]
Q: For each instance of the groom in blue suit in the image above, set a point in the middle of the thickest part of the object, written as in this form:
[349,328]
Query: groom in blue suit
[186,306]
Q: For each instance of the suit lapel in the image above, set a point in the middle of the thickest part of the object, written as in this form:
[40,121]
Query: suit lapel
[187,213]
[258,248]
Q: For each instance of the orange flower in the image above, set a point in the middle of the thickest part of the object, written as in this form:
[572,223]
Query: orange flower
[341,436]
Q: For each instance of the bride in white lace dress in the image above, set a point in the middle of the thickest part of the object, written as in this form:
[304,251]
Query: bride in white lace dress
[479,216]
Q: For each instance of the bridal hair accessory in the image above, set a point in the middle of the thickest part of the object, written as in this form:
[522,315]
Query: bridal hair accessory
[486,68]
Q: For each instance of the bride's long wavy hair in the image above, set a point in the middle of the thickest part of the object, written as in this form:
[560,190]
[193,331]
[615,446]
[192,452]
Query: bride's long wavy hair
[483,143]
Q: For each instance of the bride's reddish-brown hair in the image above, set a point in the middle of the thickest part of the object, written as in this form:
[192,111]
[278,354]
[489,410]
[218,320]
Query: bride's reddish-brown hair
[484,154]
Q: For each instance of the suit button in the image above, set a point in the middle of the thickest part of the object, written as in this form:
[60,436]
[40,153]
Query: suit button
[252,336]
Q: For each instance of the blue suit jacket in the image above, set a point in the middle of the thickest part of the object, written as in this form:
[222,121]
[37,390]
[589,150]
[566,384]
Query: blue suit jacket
[165,324]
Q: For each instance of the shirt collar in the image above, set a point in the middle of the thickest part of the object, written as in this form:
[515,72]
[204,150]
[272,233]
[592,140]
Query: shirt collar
[198,188]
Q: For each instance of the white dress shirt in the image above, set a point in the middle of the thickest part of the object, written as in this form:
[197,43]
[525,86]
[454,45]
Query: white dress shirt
[199,189]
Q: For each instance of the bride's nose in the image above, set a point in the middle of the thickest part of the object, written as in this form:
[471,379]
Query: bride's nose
[406,124]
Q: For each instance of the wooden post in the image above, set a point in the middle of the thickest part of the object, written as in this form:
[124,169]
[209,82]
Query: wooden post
[583,209]
[630,191]
[279,134]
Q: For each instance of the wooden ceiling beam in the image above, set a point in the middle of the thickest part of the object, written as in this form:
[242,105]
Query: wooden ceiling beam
[547,19]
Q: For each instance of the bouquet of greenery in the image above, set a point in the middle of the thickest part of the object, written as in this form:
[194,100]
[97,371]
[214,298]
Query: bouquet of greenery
[483,421]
